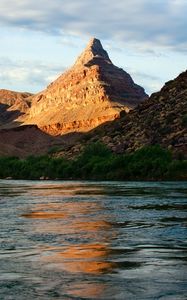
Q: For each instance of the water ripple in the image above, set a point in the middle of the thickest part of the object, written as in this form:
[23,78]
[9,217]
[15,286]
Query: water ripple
[93,240]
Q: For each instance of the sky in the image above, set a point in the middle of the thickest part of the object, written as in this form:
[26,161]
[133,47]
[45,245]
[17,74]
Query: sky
[41,39]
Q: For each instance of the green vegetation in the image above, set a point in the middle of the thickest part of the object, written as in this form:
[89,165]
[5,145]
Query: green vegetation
[54,149]
[184,120]
[98,162]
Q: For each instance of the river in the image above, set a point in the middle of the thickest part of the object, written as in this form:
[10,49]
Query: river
[93,240]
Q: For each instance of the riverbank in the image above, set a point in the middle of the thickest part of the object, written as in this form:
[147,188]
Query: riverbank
[98,163]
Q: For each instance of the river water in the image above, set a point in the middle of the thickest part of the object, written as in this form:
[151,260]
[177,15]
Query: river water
[93,240]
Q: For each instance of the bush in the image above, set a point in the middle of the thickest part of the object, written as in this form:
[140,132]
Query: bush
[98,162]
[177,169]
[184,120]
[96,149]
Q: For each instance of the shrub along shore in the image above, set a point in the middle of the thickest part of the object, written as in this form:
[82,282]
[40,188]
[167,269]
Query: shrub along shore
[97,162]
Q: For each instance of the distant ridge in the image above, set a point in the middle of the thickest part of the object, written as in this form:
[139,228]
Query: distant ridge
[12,105]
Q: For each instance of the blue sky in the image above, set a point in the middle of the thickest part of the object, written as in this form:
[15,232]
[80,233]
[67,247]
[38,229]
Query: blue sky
[40,39]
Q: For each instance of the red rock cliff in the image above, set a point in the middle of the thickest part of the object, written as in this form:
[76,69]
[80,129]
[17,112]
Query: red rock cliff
[93,91]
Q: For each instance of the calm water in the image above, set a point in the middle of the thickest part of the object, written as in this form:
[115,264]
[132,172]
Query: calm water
[93,240]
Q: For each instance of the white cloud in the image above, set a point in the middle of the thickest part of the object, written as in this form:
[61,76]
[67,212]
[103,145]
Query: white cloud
[137,33]
[32,75]
[158,22]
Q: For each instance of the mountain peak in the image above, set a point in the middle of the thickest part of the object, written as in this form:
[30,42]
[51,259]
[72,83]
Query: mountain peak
[91,92]
[93,49]
[94,45]
[94,41]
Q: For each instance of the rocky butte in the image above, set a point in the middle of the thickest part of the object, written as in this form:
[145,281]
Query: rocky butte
[91,92]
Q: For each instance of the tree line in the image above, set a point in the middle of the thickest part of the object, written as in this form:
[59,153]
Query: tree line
[97,162]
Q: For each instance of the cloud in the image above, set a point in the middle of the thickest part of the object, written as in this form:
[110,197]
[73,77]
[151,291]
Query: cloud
[139,22]
[30,74]
[146,76]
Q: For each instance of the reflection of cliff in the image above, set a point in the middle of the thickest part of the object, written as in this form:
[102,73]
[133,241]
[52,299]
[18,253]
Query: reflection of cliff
[84,290]
[84,235]
[85,258]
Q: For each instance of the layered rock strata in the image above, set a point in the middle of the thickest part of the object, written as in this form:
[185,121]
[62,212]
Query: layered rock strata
[12,105]
[93,91]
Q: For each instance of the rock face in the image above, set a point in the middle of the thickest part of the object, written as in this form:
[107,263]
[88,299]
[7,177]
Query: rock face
[12,105]
[93,91]
[15,100]
[162,119]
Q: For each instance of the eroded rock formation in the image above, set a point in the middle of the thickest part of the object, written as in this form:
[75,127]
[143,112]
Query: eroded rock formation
[93,91]
[12,105]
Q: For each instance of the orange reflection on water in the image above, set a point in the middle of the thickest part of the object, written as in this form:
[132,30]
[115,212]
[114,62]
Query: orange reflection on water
[82,243]
[82,228]
[70,208]
[73,217]
[87,289]
[84,251]
[74,222]
[44,215]
[43,190]
[85,258]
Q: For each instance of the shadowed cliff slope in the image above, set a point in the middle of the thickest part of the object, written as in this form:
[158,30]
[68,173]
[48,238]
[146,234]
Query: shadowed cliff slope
[162,119]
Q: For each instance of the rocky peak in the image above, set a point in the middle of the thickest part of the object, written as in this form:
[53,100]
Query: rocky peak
[93,50]
[91,92]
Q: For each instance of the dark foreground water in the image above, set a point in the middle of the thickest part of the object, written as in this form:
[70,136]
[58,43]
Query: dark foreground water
[93,240]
